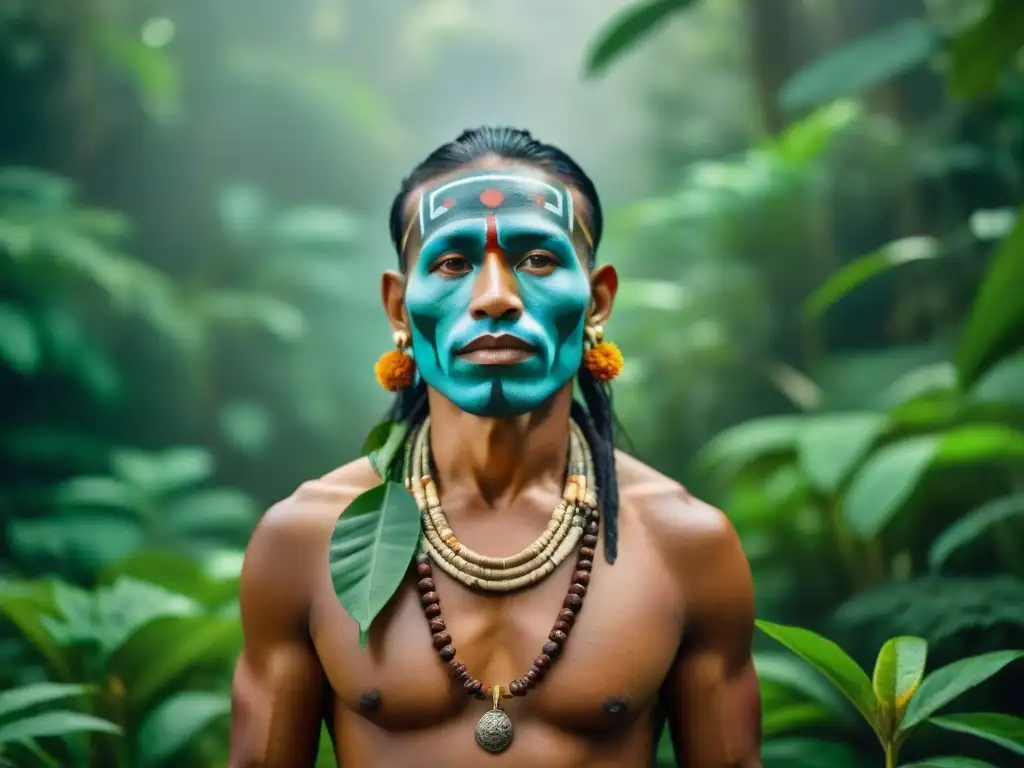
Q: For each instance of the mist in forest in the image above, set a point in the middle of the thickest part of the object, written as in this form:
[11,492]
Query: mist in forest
[813,206]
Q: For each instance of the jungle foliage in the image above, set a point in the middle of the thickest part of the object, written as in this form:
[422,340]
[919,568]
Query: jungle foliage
[821,312]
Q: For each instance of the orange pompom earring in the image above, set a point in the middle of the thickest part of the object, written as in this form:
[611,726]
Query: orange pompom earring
[602,358]
[395,370]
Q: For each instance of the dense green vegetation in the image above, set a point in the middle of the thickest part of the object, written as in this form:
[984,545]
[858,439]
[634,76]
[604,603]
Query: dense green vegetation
[821,312]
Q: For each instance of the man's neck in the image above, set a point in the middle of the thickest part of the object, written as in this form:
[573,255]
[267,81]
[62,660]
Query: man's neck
[497,459]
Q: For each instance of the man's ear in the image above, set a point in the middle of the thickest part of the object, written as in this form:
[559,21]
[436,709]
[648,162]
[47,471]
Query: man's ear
[392,291]
[604,284]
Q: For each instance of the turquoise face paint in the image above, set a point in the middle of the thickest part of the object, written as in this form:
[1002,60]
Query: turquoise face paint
[527,223]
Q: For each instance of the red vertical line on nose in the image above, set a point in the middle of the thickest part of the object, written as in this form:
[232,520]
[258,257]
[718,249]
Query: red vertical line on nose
[491,243]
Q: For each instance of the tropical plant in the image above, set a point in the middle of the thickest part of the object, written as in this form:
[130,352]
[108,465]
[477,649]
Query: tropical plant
[154,659]
[28,713]
[899,698]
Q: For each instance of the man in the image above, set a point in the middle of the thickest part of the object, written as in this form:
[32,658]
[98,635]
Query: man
[499,295]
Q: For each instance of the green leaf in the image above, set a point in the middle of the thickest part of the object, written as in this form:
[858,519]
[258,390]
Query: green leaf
[981,56]
[382,446]
[861,65]
[107,617]
[972,525]
[808,753]
[27,609]
[175,573]
[934,379]
[19,342]
[792,674]
[86,541]
[51,724]
[162,650]
[860,271]
[892,474]
[170,470]
[211,511]
[886,481]
[176,722]
[998,310]
[790,717]
[29,696]
[97,491]
[1005,730]
[627,28]
[736,447]
[1002,384]
[831,446]
[829,659]
[945,684]
[372,547]
[899,670]
[950,762]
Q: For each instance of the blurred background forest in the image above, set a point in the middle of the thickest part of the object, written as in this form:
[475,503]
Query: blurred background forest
[814,208]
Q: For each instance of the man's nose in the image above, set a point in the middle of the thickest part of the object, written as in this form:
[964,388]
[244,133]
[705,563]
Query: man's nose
[496,291]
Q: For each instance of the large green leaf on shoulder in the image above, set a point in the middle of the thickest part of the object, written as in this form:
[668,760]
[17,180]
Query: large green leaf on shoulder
[372,547]
[860,271]
[899,670]
[861,65]
[49,724]
[970,526]
[945,684]
[829,659]
[830,446]
[628,27]
[382,447]
[950,762]
[892,474]
[174,723]
[1005,730]
[998,310]
[980,56]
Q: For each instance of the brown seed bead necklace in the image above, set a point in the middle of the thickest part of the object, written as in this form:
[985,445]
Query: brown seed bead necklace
[494,731]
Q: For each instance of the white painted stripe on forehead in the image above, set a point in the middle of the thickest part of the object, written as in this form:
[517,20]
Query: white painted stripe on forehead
[436,210]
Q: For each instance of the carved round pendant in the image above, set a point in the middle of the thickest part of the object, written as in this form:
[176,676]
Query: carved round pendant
[494,731]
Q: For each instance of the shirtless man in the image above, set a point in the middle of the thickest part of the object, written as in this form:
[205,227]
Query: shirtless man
[666,631]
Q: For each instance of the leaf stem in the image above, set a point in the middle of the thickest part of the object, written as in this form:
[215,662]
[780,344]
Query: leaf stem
[891,751]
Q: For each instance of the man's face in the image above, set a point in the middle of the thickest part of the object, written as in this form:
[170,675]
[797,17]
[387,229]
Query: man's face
[497,297]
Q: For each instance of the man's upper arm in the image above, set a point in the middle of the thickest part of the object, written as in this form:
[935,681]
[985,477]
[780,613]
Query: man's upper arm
[712,698]
[278,690]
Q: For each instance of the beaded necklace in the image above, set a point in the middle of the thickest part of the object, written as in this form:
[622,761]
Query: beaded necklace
[573,521]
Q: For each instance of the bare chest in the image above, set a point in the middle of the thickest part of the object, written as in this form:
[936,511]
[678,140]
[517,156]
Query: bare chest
[608,674]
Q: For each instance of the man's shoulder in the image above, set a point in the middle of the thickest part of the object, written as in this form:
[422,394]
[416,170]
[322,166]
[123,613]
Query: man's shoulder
[673,517]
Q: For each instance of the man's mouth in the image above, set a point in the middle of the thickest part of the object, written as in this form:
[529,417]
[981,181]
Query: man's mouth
[503,349]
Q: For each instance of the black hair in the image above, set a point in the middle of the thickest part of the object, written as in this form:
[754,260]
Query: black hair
[597,420]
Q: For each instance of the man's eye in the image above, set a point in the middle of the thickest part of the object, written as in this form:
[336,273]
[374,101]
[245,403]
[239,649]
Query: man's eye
[538,262]
[453,265]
